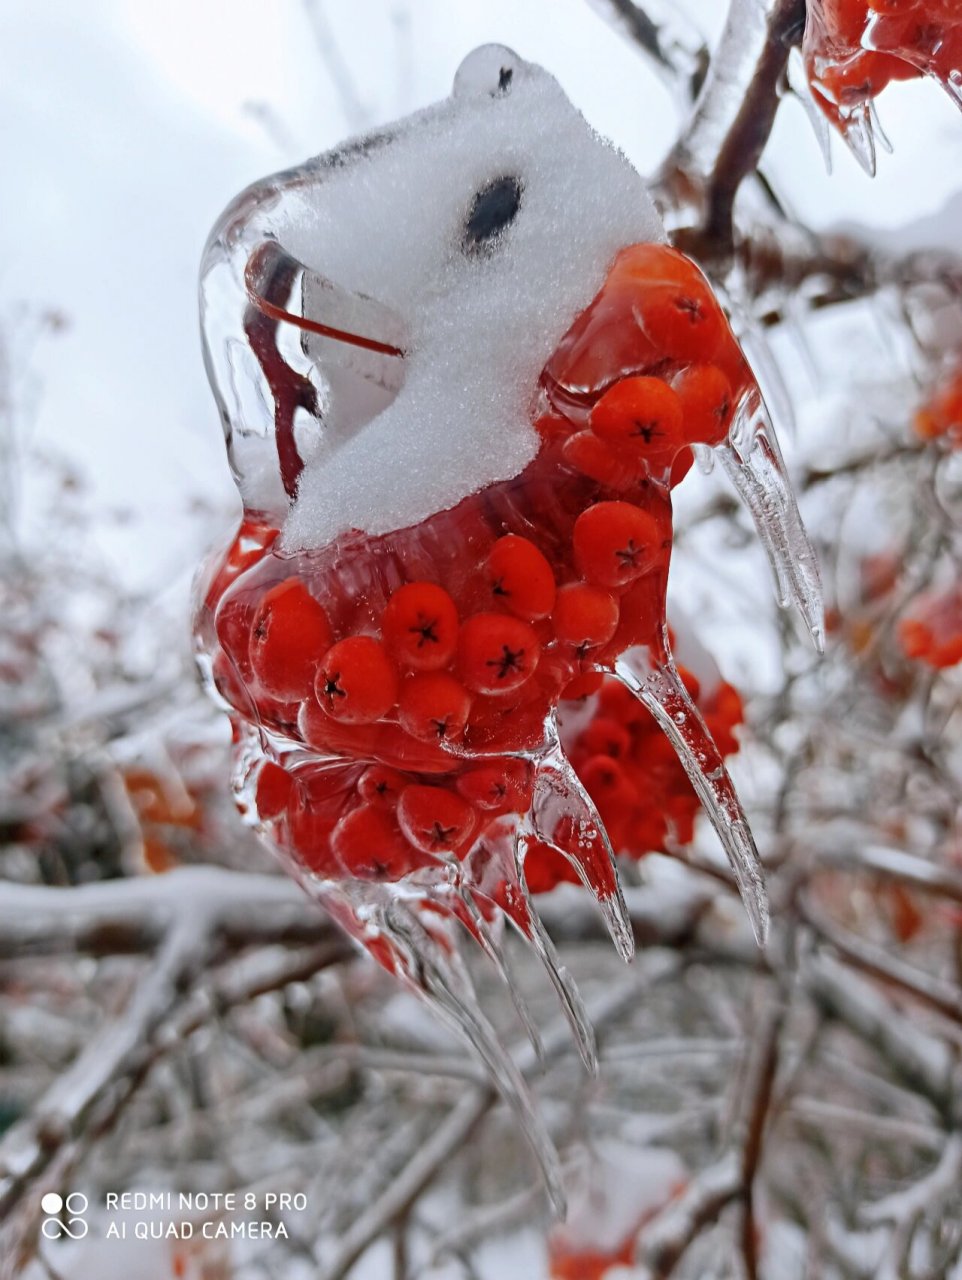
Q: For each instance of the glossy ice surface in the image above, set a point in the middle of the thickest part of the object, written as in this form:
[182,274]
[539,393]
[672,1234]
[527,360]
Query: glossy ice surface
[460,374]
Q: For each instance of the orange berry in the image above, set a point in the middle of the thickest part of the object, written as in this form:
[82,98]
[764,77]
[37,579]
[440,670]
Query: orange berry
[420,626]
[497,654]
[436,820]
[584,452]
[433,706]
[585,616]
[520,578]
[641,417]
[289,636]
[615,543]
[707,403]
[682,319]
[356,682]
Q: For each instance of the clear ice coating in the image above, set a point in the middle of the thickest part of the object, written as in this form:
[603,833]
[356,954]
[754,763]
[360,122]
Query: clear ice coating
[854,48]
[459,373]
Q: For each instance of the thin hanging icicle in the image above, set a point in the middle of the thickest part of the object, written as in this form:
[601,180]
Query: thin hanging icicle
[662,692]
[430,965]
[754,463]
[563,816]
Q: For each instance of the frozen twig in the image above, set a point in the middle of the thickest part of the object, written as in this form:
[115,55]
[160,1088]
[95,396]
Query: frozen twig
[666,1237]
[945,997]
[114,916]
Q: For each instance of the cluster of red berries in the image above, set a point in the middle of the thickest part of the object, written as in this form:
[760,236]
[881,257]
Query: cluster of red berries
[398,661]
[854,48]
[940,418]
[632,774]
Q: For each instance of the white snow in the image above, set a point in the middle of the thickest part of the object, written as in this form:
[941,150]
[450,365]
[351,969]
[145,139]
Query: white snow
[390,224]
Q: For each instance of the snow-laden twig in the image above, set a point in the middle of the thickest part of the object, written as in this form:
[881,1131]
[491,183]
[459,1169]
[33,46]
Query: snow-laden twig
[924,1061]
[906,1208]
[114,916]
[666,1237]
[945,997]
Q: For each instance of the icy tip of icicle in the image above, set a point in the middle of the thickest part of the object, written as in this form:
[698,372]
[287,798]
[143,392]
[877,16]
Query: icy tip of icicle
[859,134]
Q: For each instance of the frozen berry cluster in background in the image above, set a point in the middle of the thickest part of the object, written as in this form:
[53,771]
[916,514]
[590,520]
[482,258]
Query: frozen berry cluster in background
[854,48]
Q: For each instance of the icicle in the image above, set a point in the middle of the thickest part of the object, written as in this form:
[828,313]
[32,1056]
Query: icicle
[754,463]
[799,85]
[661,691]
[389,928]
[499,876]
[856,127]
[563,816]
[465,908]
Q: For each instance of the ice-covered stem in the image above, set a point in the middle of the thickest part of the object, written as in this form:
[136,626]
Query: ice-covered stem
[925,1063]
[760,1083]
[666,1238]
[735,110]
[428,1159]
[666,36]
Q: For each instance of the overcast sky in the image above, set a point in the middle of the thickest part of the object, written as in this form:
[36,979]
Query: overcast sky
[126,125]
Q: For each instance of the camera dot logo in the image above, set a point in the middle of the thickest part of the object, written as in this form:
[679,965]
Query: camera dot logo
[64,1216]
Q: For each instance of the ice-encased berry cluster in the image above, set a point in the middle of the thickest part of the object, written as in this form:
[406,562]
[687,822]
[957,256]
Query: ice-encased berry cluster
[854,48]
[460,373]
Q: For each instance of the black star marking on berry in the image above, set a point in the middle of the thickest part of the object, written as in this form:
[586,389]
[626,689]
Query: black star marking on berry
[332,689]
[647,430]
[424,629]
[440,728]
[690,307]
[628,555]
[441,836]
[498,588]
[510,660]
[723,409]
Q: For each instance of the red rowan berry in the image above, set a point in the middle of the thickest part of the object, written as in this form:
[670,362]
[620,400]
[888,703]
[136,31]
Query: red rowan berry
[289,635]
[707,403]
[582,686]
[433,706]
[585,616]
[504,787]
[615,543]
[356,682]
[420,626]
[435,819]
[497,654]
[641,417]
[683,319]
[273,790]
[381,786]
[369,845]
[520,578]
[584,452]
